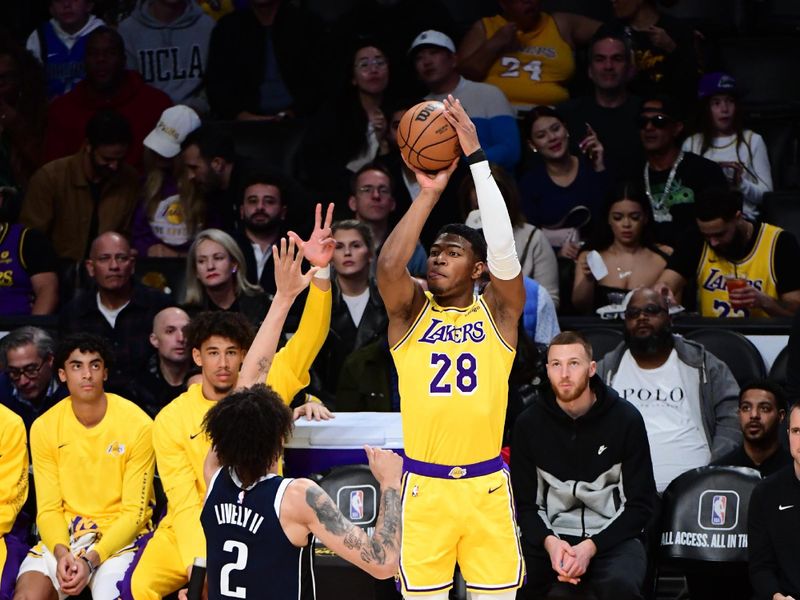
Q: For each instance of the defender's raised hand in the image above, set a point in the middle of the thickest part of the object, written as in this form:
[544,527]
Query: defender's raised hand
[318,249]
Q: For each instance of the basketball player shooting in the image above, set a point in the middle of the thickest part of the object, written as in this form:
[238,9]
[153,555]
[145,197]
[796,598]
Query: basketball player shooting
[453,351]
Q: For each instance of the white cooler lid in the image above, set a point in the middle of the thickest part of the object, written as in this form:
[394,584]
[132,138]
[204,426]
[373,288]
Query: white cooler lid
[349,430]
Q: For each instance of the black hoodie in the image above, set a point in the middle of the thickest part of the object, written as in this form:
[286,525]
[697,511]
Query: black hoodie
[585,477]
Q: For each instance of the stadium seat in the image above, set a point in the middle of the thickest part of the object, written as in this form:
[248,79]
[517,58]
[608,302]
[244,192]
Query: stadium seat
[603,340]
[783,209]
[777,16]
[735,350]
[274,143]
[710,16]
[164,274]
[781,137]
[704,517]
[780,365]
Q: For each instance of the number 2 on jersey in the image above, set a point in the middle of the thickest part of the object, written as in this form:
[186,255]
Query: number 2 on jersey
[238,565]
[466,376]
[512,65]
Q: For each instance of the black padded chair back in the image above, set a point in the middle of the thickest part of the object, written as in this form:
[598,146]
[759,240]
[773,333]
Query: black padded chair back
[603,340]
[704,514]
[735,350]
[355,491]
[779,368]
[783,209]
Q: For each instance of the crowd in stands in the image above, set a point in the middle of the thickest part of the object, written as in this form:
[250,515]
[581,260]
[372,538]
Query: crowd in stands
[153,152]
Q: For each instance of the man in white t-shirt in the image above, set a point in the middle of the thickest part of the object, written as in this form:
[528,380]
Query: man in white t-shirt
[687,396]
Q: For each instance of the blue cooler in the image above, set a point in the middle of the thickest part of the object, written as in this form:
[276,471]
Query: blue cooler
[316,446]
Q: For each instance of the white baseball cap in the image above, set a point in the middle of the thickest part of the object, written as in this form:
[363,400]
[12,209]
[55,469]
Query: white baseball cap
[174,125]
[432,38]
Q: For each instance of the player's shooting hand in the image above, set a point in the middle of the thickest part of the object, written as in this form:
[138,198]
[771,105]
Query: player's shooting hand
[289,277]
[386,466]
[435,182]
[465,128]
[313,410]
[318,250]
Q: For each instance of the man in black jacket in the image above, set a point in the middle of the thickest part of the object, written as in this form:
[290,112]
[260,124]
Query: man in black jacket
[773,522]
[583,481]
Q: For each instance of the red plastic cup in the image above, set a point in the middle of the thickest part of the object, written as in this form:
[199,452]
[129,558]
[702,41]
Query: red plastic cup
[735,283]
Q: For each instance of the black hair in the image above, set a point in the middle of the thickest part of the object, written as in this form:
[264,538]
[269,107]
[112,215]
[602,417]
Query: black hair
[614,32]
[781,403]
[625,190]
[536,113]
[264,178]
[212,141]
[717,203]
[370,166]
[117,38]
[473,236]
[84,342]
[233,326]
[247,430]
[106,128]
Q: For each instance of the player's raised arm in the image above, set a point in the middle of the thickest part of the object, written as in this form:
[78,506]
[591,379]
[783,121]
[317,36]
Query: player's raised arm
[307,504]
[402,295]
[290,281]
[505,294]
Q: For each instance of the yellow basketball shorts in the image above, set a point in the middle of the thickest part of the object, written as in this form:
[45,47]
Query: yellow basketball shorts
[465,521]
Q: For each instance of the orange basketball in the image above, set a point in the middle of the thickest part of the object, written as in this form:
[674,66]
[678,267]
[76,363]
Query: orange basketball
[426,140]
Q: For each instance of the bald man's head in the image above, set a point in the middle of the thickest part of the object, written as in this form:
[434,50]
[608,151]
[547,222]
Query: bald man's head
[111,263]
[648,327]
[167,336]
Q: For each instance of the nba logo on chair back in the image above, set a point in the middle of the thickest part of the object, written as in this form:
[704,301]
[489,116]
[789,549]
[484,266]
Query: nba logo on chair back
[360,502]
[718,509]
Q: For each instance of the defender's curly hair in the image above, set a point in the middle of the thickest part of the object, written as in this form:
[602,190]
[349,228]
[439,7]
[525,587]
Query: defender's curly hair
[248,429]
[84,342]
[230,325]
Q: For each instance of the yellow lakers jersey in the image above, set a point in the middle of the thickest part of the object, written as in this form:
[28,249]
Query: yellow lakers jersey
[757,268]
[453,367]
[538,71]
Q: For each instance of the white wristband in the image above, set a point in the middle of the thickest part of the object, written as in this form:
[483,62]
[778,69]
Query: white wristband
[323,273]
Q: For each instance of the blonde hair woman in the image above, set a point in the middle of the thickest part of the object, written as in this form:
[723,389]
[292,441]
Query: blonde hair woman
[215,278]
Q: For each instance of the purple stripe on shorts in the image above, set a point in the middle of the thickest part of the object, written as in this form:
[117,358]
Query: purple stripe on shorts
[124,585]
[453,472]
[16,550]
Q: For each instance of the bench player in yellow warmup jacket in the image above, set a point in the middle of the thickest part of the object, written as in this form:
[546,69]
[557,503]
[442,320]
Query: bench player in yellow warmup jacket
[219,342]
[453,351]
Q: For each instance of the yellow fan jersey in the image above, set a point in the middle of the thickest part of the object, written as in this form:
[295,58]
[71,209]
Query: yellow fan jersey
[453,367]
[758,268]
[538,72]
[102,474]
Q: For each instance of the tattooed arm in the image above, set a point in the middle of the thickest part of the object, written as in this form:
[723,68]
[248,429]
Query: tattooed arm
[290,281]
[306,508]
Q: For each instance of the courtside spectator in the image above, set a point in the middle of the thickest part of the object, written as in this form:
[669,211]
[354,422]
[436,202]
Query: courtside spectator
[29,383]
[209,156]
[28,280]
[686,395]
[772,526]
[108,86]
[89,525]
[167,42]
[263,223]
[721,137]
[73,199]
[60,43]
[525,52]
[583,481]
[609,108]
[663,50]
[280,78]
[171,209]
[761,258]
[23,109]
[116,309]
[673,179]
[372,201]
[168,369]
[434,57]
[216,281]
